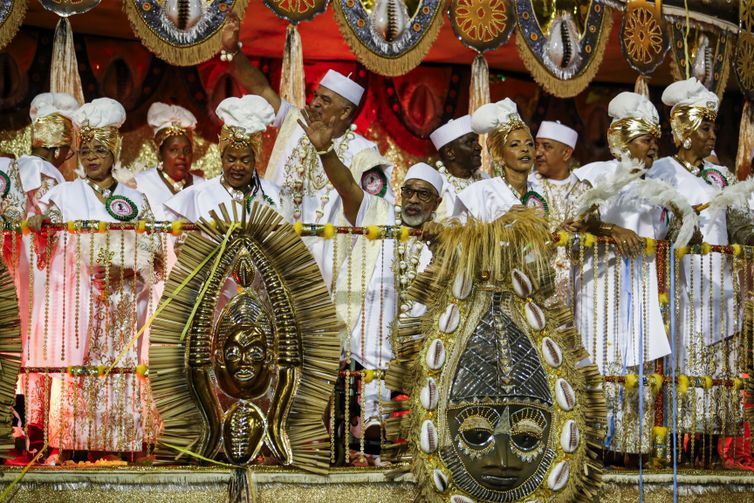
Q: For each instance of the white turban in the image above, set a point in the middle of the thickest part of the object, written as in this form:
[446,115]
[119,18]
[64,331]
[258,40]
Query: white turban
[632,106]
[161,116]
[52,103]
[690,92]
[100,113]
[494,116]
[251,113]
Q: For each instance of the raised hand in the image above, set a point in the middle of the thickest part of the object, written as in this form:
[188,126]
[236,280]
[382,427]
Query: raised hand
[320,134]
[230,33]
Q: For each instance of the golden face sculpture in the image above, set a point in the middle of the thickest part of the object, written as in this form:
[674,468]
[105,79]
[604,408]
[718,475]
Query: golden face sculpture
[243,369]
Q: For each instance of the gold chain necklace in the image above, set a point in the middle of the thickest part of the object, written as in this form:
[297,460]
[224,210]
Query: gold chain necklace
[694,170]
[173,185]
[105,193]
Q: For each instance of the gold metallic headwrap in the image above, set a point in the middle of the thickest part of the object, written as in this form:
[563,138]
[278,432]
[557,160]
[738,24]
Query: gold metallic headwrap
[231,135]
[52,131]
[108,136]
[166,132]
[497,138]
[621,132]
[685,119]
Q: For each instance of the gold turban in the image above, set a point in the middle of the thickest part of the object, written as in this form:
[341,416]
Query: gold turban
[236,136]
[685,119]
[107,136]
[622,131]
[50,131]
[166,132]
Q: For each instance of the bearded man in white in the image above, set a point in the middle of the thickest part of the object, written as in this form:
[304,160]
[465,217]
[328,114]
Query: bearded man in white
[297,167]
[244,121]
[460,160]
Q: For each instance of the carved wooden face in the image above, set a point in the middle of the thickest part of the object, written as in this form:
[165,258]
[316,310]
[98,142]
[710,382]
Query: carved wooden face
[243,369]
[500,446]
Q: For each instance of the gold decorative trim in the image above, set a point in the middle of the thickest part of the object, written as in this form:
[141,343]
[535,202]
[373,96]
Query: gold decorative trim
[571,87]
[390,66]
[180,56]
[12,23]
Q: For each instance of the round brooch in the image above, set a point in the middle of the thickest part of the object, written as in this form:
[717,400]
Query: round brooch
[4,184]
[374,182]
[121,208]
[535,200]
[714,177]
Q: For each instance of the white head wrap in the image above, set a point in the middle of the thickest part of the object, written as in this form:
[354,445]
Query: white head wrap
[452,130]
[100,113]
[632,106]
[251,113]
[171,119]
[690,92]
[494,116]
[422,171]
[52,103]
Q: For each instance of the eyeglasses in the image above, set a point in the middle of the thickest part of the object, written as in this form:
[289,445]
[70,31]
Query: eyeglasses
[424,195]
[100,152]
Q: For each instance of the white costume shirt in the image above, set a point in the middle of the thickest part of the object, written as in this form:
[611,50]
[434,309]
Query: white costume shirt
[451,187]
[199,200]
[487,200]
[713,225]
[153,186]
[618,342]
[320,203]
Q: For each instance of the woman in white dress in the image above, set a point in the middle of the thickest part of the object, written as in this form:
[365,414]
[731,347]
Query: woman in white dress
[244,121]
[105,288]
[511,147]
[708,307]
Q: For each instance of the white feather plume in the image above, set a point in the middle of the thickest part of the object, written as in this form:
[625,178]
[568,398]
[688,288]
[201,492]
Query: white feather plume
[736,194]
[662,194]
[607,187]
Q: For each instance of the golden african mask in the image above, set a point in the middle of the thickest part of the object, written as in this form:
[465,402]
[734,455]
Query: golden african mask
[255,363]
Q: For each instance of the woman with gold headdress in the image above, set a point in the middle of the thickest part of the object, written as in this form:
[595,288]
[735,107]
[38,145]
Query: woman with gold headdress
[622,324]
[105,291]
[703,328]
[244,121]
[512,149]
[173,128]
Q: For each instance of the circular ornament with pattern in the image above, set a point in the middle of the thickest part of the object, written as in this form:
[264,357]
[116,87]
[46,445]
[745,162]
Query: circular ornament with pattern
[643,40]
[121,208]
[483,25]
[4,184]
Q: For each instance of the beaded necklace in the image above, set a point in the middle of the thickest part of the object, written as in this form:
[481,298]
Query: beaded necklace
[458,183]
[409,253]
[306,176]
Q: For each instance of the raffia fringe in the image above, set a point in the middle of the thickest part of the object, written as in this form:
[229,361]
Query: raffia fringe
[179,56]
[479,94]
[389,67]
[10,27]
[745,142]
[10,355]
[572,87]
[292,79]
[64,70]
[641,86]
